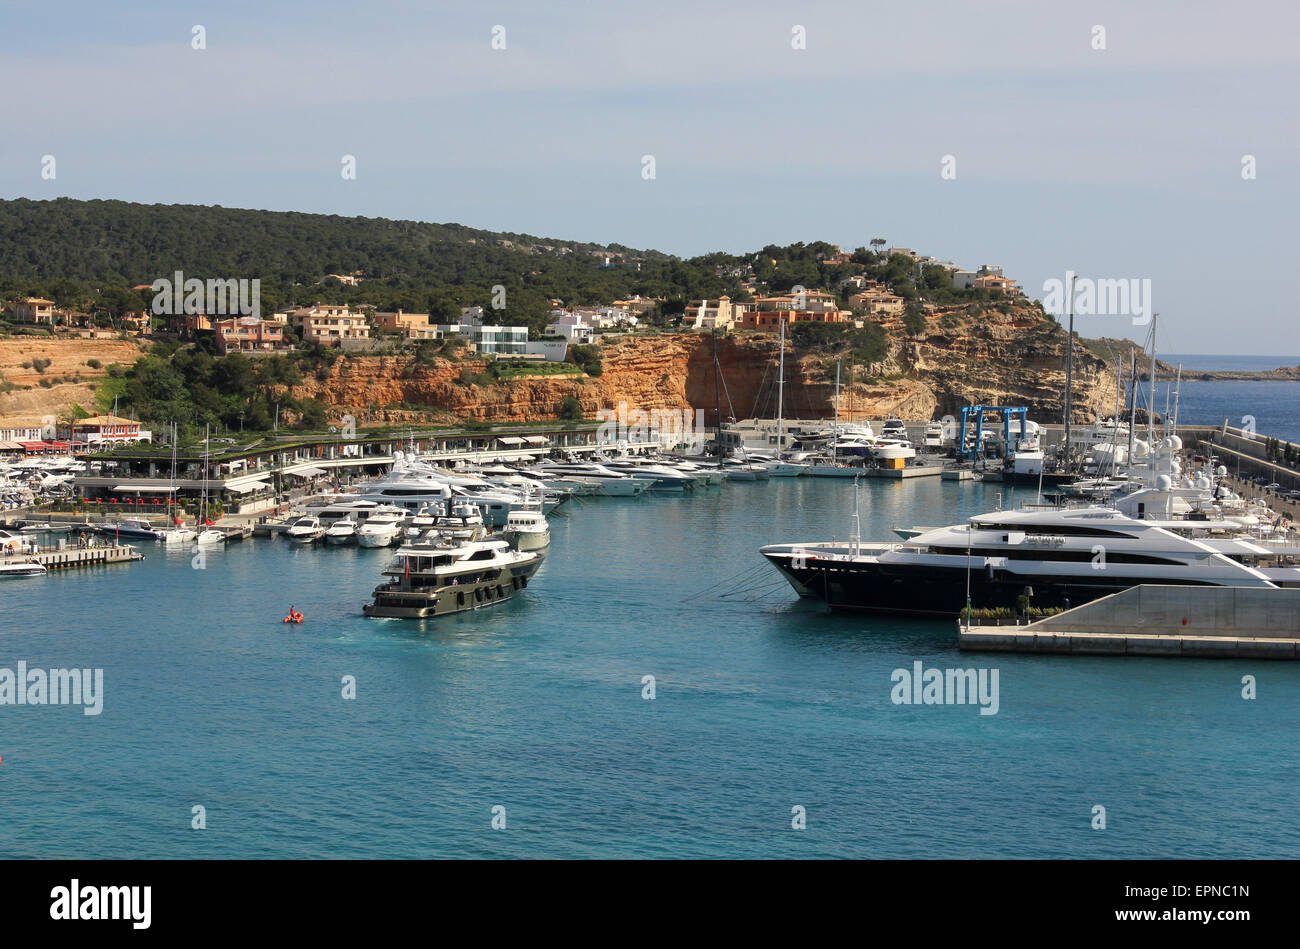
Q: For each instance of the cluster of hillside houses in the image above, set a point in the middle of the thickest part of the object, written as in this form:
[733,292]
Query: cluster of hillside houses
[362,329]
[869,297]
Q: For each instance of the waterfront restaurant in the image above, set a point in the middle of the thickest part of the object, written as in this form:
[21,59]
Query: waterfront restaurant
[44,447]
[105,431]
[257,477]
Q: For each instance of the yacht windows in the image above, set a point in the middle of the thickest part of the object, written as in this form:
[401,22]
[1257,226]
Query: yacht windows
[1067,530]
[1057,556]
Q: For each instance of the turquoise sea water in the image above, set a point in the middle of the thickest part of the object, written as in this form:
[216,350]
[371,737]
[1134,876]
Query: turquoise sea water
[763,703]
[1275,406]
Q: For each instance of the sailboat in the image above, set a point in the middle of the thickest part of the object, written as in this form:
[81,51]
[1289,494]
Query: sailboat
[174,532]
[835,469]
[207,533]
[780,467]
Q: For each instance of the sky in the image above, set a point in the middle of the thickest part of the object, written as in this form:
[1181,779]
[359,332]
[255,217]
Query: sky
[1105,139]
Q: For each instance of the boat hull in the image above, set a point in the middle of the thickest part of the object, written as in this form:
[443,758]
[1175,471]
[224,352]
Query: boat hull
[870,586]
[623,488]
[13,570]
[527,540]
[1052,479]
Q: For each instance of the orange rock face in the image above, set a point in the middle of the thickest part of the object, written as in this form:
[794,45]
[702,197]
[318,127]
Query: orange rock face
[993,358]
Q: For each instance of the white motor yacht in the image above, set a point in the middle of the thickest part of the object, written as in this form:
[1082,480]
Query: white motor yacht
[380,530]
[305,530]
[527,530]
[343,531]
[1051,557]
[611,483]
[27,569]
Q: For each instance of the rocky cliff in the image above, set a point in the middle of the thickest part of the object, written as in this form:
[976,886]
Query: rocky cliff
[962,356]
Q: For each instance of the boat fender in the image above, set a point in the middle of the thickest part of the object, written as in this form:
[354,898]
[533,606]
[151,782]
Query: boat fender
[478,594]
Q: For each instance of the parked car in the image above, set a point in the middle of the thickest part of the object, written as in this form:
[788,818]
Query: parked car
[1272,486]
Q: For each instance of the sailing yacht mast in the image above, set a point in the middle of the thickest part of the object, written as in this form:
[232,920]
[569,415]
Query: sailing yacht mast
[203,507]
[1132,400]
[780,400]
[1178,388]
[171,493]
[1151,403]
[835,443]
[1069,370]
[717,400]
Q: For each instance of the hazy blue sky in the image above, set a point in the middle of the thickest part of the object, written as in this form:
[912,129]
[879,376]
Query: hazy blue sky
[1122,162]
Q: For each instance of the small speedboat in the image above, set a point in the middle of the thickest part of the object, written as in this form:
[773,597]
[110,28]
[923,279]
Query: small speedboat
[305,530]
[32,569]
[129,527]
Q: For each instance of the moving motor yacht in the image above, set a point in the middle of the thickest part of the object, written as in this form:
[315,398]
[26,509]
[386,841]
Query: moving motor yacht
[450,576]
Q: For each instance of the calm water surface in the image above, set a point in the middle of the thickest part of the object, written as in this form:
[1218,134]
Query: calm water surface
[763,703]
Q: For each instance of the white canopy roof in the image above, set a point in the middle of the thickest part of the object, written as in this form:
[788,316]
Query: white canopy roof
[247,486]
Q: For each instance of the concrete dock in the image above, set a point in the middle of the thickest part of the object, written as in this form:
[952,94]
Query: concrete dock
[71,557]
[902,474]
[1150,620]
